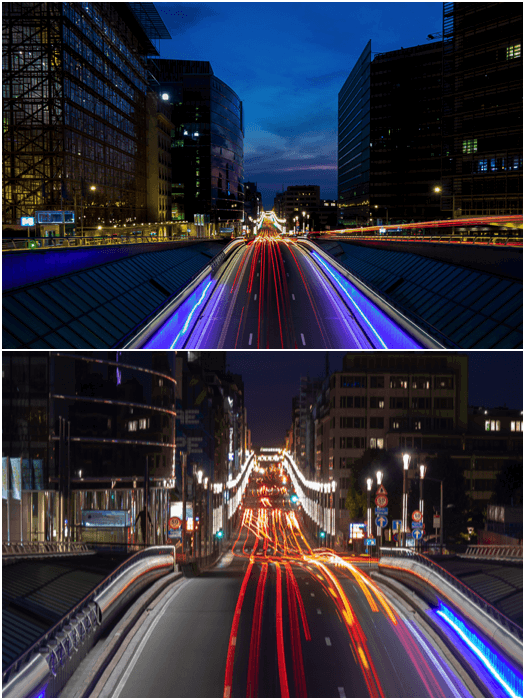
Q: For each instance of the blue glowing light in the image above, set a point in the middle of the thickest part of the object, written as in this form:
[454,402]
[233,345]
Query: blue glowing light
[376,321]
[172,333]
[497,668]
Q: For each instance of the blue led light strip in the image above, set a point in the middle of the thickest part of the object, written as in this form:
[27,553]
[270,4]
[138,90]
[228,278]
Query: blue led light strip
[497,668]
[397,338]
[171,333]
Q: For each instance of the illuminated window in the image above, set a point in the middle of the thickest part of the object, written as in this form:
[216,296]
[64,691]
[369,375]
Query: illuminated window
[492,425]
[513,51]
[143,423]
[380,443]
[516,426]
[373,443]
[470,145]
[133,426]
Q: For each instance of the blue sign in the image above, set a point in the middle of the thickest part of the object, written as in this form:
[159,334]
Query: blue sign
[396,524]
[370,541]
[381,521]
[418,534]
[381,511]
[416,524]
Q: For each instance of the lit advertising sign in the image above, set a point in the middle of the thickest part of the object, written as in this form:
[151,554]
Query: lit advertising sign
[357,531]
[27,221]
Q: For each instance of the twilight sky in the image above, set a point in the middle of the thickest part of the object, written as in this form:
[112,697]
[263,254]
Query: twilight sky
[287,62]
[271,379]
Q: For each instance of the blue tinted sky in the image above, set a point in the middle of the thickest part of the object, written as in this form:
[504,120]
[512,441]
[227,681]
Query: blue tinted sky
[287,63]
[271,379]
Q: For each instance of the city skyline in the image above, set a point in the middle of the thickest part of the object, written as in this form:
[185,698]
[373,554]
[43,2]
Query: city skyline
[291,120]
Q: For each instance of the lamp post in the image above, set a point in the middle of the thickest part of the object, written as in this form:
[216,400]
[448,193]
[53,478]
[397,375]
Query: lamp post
[304,214]
[376,206]
[438,191]
[197,529]
[406,462]
[379,477]
[440,512]
[369,483]
[422,472]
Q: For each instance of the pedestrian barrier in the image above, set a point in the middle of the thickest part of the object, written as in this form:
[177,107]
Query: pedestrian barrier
[44,668]
[31,548]
[494,551]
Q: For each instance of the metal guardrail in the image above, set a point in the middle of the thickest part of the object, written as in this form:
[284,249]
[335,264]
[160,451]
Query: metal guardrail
[22,548]
[496,616]
[15,244]
[412,237]
[508,552]
[53,658]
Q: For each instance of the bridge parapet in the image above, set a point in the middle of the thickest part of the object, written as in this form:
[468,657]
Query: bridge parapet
[501,552]
[504,633]
[44,668]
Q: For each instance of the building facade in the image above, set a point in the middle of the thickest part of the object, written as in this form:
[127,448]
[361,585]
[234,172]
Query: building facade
[74,108]
[207,143]
[482,157]
[298,205]
[159,174]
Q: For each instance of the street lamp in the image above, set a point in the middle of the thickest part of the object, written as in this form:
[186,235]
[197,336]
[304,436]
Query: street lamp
[406,462]
[304,214]
[379,477]
[376,206]
[422,472]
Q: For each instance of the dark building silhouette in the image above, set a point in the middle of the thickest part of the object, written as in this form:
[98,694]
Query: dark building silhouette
[207,143]
[482,157]
[252,202]
[390,137]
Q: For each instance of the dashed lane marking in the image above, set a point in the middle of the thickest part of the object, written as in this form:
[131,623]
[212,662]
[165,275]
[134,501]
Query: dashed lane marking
[328,642]
[318,611]
[341,692]
[302,338]
[250,339]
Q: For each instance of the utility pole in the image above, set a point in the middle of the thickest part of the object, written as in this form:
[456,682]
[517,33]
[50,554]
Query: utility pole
[184,458]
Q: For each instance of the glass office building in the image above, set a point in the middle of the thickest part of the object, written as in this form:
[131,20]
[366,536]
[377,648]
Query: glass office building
[207,143]
[85,426]
[74,109]
[353,148]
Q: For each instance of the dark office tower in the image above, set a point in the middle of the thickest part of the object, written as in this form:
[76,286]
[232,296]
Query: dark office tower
[252,201]
[482,108]
[405,134]
[74,108]
[390,137]
[207,143]
[353,148]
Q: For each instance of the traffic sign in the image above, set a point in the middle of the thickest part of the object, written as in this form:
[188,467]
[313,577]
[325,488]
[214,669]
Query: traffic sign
[381,521]
[381,511]
[396,524]
[370,541]
[417,524]
[418,534]
[436,521]
[174,523]
[381,501]
[381,490]
[417,515]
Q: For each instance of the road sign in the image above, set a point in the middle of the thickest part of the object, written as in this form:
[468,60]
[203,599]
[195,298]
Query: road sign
[396,536]
[381,490]
[381,521]
[369,541]
[396,524]
[436,521]
[417,515]
[381,511]
[174,523]
[417,524]
[418,534]
[381,501]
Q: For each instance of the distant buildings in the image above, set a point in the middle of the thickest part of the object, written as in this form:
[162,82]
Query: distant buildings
[207,143]
[304,210]
[397,403]
[435,131]
[252,202]
[74,111]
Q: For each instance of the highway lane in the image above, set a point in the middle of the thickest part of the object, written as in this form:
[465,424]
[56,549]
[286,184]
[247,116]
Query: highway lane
[278,619]
[271,293]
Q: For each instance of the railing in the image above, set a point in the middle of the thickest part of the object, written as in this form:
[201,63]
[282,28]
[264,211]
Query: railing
[494,551]
[56,655]
[498,617]
[31,548]
[415,237]
[92,241]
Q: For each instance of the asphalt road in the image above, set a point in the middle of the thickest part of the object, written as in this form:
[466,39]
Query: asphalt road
[270,294]
[276,619]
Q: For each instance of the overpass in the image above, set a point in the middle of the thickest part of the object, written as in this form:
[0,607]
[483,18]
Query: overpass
[82,596]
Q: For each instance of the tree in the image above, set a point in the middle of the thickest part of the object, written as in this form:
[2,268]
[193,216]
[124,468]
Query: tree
[355,501]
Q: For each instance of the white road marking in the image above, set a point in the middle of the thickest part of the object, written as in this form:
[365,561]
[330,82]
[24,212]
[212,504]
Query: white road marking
[250,339]
[302,338]
[328,642]
[288,274]
[318,611]
[293,297]
[341,692]
[255,297]
[313,595]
